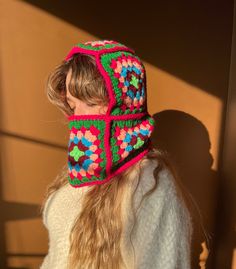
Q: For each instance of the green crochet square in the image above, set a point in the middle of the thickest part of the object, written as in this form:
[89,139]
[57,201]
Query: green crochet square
[89,128]
[128,81]
[129,138]
[97,48]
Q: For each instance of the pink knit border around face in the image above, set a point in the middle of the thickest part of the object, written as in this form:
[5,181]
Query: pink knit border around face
[107,117]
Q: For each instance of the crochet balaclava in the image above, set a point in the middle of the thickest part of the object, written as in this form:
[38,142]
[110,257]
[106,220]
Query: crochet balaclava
[102,146]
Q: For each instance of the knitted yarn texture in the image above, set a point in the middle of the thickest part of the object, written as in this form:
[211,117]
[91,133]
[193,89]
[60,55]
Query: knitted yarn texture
[161,238]
[102,146]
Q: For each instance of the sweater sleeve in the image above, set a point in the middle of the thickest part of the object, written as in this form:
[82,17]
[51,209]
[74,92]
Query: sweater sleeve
[163,234]
[170,245]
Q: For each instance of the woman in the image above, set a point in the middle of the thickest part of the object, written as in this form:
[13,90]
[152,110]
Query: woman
[116,203]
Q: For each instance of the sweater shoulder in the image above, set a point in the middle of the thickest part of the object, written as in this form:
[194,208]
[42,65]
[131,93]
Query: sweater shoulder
[165,189]
[163,222]
[166,200]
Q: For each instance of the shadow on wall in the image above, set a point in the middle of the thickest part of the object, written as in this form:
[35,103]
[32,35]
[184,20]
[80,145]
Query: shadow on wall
[13,211]
[187,143]
[188,39]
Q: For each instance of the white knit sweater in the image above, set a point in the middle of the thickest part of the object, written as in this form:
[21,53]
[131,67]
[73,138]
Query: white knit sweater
[162,237]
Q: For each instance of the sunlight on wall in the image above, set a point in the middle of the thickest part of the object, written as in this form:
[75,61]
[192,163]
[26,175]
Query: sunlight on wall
[33,42]
[234,260]
[168,92]
[203,256]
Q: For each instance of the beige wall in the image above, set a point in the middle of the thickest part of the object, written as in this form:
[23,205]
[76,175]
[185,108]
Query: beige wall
[34,138]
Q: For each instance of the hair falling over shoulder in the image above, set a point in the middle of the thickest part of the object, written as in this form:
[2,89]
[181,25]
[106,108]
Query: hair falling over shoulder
[97,245]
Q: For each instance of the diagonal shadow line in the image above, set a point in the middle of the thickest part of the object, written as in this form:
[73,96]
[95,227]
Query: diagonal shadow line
[178,52]
[189,39]
[14,211]
[25,254]
[18,211]
[33,140]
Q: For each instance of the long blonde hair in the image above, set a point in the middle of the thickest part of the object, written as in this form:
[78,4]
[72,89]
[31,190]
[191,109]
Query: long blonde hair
[97,245]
